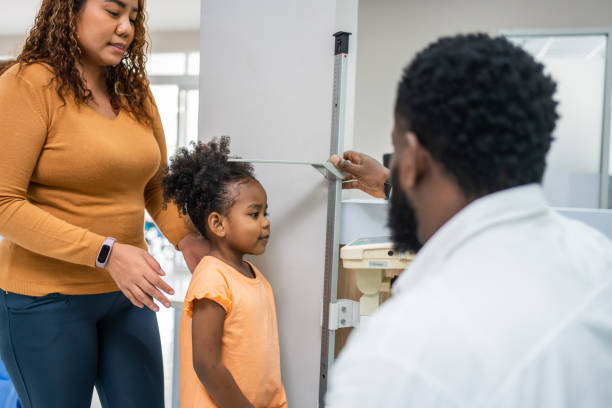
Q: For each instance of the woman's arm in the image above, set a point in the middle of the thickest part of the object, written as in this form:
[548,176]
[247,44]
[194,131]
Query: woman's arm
[207,329]
[194,247]
[24,118]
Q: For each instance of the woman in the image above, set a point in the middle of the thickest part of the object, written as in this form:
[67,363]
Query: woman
[82,146]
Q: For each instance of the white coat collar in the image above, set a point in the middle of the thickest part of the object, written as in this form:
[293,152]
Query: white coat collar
[486,212]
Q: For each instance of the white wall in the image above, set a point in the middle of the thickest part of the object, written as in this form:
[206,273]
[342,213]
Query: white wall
[346,20]
[11,44]
[580,92]
[572,165]
[161,41]
[266,79]
[175,41]
[391,31]
[163,15]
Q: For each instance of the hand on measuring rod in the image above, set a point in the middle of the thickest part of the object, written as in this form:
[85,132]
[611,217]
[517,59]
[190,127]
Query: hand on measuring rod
[362,172]
[138,276]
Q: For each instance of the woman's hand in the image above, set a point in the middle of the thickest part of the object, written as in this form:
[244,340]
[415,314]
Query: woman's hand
[194,247]
[363,173]
[138,276]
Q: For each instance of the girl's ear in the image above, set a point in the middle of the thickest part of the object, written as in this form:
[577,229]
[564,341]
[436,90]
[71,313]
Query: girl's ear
[215,224]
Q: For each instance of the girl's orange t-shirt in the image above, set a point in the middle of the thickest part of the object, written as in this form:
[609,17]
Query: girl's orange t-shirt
[249,346]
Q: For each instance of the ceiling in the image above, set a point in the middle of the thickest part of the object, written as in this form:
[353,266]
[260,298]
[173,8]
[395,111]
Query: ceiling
[164,15]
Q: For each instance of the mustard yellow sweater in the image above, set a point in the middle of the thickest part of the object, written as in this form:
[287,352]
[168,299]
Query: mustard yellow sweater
[70,177]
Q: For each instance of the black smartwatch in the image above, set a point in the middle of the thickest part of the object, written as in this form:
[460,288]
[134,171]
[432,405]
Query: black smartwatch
[387,163]
[104,253]
[388,188]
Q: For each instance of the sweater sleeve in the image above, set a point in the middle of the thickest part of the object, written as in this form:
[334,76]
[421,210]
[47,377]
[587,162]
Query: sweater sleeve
[172,225]
[23,131]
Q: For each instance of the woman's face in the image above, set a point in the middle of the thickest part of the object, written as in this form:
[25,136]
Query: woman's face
[105,30]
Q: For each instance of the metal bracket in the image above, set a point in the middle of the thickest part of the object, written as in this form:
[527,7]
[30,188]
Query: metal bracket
[343,313]
[327,169]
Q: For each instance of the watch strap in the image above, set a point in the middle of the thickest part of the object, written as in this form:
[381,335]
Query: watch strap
[104,252]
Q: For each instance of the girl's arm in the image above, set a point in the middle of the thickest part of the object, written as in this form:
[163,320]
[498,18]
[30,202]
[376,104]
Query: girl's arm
[207,329]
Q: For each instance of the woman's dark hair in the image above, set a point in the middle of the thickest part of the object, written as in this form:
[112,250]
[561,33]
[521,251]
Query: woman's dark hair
[198,180]
[53,40]
[483,108]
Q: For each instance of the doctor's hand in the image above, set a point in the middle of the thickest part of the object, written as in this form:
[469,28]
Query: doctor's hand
[363,173]
[194,247]
[138,276]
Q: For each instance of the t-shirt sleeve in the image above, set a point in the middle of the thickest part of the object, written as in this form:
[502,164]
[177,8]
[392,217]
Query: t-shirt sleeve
[209,283]
[172,225]
[24,118]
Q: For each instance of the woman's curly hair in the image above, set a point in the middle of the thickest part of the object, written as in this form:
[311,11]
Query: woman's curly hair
[53,40]
[198,180]
[483,108]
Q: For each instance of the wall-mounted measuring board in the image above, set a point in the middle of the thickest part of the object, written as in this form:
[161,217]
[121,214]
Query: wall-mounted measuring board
[334,200]
[327,169]
[269,87]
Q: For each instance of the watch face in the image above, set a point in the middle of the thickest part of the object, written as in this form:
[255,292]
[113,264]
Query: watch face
[103,253]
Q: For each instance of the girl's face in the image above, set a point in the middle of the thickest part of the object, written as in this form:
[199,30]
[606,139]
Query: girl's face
[246,224]
[105,30]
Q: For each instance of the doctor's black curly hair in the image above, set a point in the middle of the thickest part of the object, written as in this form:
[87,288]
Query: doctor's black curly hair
[483,108]
[198,180]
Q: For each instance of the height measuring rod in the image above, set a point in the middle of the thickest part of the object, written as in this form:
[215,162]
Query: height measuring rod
[334,198]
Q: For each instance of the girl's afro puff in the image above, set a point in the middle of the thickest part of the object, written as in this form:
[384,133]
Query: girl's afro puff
[198,178]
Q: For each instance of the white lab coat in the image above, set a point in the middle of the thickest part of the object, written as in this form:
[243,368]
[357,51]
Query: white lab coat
[509,304]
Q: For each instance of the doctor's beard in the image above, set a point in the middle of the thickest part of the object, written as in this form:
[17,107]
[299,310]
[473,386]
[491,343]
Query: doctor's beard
[401,218]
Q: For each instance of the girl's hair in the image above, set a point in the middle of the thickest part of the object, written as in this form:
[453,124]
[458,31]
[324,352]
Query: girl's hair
[53,40]
[198,180]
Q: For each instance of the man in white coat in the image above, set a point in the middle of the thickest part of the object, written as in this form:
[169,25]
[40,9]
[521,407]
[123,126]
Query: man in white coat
[508,303]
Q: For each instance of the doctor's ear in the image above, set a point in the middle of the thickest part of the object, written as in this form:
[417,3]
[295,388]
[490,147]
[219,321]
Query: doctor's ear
[413,161]
[215,224]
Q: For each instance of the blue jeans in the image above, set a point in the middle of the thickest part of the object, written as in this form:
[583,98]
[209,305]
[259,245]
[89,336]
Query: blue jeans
[58,347]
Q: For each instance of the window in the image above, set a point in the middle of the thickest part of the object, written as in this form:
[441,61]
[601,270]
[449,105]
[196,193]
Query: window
[577,62]
[174,83]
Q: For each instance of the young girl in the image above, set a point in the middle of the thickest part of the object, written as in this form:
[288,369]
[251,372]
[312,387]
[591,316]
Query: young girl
[229,355]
